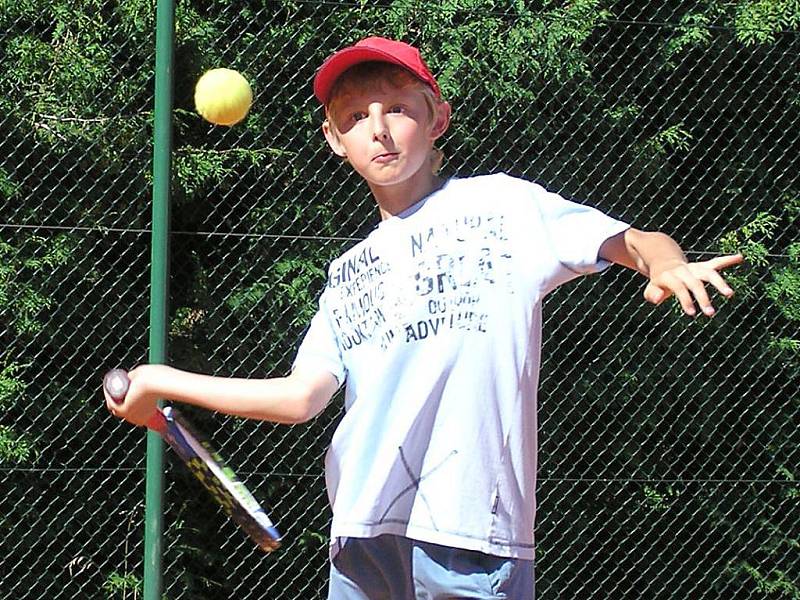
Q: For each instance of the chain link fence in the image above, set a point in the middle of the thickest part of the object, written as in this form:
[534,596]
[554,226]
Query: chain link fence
[669,446]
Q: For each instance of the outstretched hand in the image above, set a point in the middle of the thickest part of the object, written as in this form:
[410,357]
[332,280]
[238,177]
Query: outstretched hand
[686,281]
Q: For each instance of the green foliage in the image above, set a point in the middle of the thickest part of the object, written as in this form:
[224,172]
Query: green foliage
[779,296]
[470,43]
[14,448]
[200,169]
[185,321]
[776,583]
[117,585]
[760,21]
[693,32]
[196,169]
[11,384]
[294,279]
[313,539]
[23,289]
[659,501]
[297,277]
[784,290]
[674,137]
[791,493]
[751,239]
[243,301]
[8,189]
[623,113]
[785,345]
[137,18]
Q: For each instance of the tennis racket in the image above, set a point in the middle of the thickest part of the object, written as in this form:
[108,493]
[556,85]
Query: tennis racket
[206,464]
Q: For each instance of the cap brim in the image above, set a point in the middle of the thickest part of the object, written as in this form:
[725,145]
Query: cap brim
[337,64]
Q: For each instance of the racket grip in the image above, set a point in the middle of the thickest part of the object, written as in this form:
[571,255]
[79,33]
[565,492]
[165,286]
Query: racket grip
[116,384]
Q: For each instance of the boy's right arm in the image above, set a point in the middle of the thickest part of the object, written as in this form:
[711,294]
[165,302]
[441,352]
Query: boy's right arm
[292,399]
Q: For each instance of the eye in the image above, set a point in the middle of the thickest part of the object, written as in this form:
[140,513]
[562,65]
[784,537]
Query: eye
[358,115]
[398,108]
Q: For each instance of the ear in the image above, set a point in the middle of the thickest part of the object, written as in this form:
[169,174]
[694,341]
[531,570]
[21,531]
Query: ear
[333,139]
[441,120]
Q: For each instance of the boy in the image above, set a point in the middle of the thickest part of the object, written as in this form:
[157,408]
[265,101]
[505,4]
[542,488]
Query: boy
[433,323]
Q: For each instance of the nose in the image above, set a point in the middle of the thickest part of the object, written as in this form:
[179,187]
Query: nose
[380,129]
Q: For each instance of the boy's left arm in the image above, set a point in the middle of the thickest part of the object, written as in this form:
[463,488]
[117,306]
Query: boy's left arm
[659,258]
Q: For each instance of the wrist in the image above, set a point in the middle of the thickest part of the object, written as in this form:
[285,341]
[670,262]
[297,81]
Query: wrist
[154,380]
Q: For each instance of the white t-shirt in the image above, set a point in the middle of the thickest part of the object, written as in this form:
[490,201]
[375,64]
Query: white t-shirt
[434,324]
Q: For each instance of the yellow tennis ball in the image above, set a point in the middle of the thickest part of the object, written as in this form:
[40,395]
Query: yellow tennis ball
[222,96]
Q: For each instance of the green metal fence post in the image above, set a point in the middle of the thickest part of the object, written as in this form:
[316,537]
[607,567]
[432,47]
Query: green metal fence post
[159,280]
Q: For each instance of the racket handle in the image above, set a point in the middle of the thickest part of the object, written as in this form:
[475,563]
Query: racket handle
[116,384]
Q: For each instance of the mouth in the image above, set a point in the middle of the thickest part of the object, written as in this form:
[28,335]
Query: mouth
[385,157]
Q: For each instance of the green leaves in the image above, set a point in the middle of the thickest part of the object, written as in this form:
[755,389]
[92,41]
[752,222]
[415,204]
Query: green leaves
[760,21]
[12,387]
[694,32]
[784,290]
[14,448]
[673,138]
[775,582]
[751,238]
[294,281]
[118,585]
[199,169]
[23,274]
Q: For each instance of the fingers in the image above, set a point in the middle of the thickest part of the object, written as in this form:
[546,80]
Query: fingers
[112,405]
[696,287]
[687,283]
[719,283]
[684,287]
[708,272]
[723,262]
[717,264]
[135,407]
[654,294]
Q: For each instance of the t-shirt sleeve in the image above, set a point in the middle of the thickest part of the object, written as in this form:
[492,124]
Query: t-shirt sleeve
[319,348]
[575,231]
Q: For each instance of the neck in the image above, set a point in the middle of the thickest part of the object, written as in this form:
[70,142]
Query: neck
[394,199]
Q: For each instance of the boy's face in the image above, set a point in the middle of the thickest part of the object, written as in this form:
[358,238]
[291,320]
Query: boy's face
[386,134]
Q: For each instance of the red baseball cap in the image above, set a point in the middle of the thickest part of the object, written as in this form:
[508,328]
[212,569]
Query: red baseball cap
[371,49]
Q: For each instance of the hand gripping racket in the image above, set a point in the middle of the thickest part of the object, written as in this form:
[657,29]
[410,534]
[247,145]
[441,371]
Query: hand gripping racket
[204,462]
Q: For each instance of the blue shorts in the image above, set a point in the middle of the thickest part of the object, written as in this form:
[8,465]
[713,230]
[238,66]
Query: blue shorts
[390,567]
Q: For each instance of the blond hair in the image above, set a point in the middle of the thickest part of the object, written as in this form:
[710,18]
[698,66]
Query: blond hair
[374,75]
